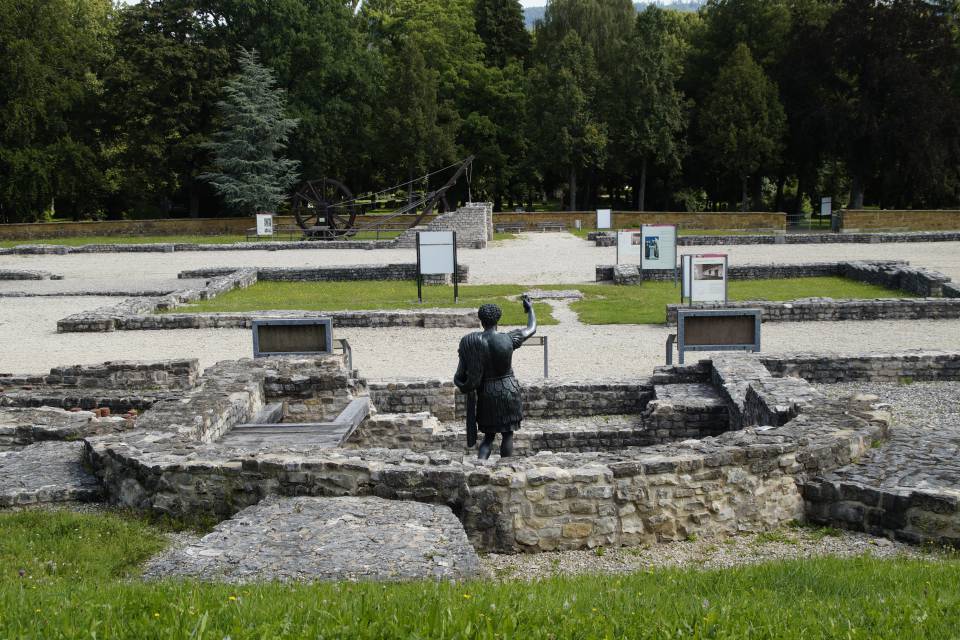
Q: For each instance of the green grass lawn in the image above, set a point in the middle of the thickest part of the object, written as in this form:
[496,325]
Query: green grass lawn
[343,296]
[646,304]
[79,580]
[603,304]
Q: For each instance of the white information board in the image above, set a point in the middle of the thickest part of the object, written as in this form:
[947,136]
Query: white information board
[659,246]
[826,207]
[264,224]
[629,246]
[708,277]
[685,276]
[604,217]
[437,251]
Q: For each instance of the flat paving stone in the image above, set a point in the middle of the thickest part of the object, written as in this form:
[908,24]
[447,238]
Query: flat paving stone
[45,472]
[313,539]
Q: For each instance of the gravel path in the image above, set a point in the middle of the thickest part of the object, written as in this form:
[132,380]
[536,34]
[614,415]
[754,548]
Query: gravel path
[533,258]
[29,343]
[785,544]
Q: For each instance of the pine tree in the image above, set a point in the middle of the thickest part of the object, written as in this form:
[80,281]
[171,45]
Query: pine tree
[251,174]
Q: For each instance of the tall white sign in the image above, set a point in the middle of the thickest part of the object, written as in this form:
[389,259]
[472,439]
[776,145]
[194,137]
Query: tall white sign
[659,246]
[604,218]
[437,252]
[707,277]
[629,246]
[826,207]
[264,224]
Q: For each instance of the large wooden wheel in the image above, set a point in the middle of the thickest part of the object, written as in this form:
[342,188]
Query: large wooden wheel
[325,208]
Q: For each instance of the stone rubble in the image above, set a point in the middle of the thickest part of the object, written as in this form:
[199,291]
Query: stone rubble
[314,539]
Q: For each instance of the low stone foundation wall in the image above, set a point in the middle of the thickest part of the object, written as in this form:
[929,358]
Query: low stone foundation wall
[893,273]
[541,400]
[28,274]
[830,310]
[921,366]
[332,274]
[120,374]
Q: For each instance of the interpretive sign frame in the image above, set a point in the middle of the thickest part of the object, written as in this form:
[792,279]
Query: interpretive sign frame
[718,330]
[604,219]
[695,287]
[437,255]
[264,224]
[269,332]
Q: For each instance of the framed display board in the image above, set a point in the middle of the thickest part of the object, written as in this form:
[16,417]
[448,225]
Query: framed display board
[437,255]
[826,207]
[704,277]
[718,330]
[604,218]
[292,336]
[659,246]
[264,224]
[629,246]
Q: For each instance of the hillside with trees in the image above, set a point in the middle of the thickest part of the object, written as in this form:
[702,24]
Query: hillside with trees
[113,111]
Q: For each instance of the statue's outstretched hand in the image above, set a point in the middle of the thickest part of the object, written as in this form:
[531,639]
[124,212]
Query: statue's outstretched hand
[525,299]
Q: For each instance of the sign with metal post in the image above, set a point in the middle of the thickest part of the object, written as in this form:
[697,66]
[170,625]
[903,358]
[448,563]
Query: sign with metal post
[716,330]
[437,255]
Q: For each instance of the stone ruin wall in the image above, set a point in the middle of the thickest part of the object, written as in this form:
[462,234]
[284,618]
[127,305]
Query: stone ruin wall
[744,479]
[473,223]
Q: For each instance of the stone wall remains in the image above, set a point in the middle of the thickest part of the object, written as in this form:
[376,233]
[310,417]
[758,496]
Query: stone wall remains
[127,375]
[853,270]
[473,223]
[919,366]
[541,400]
[400,271]
[830,310]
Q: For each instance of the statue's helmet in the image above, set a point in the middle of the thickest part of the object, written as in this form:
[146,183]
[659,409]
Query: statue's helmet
[489,315]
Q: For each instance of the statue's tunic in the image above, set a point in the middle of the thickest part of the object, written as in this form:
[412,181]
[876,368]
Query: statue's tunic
[486,366]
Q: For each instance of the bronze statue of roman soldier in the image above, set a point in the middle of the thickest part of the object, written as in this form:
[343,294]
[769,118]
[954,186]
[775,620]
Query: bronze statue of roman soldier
[485,376]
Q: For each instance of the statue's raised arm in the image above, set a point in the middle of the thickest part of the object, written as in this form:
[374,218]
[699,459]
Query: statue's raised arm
[531,328]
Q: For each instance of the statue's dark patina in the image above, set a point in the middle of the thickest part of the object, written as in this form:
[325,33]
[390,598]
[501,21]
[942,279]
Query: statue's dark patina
[485,375]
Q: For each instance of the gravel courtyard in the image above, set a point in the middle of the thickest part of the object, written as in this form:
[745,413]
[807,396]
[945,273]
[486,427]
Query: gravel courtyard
[30,343]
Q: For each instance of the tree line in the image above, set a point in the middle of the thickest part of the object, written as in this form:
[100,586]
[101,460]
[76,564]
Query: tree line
[110,111]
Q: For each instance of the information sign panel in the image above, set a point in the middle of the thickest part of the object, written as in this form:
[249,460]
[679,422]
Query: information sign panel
[718,330]
[437,249]
[292,336]
[629,246]
[437,255]
[826,207]
[264,224]
[604,218]
[704,277]
[659,246]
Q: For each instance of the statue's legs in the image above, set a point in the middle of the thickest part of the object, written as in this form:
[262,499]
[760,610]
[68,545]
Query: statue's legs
[506,444]
[486,446]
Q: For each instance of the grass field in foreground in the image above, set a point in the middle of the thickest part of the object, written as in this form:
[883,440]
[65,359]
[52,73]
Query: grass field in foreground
[603,304]
[344,296]
[79,580]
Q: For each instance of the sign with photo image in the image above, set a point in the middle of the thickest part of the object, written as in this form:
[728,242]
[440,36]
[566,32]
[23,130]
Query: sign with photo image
[706,277]
[659,247]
